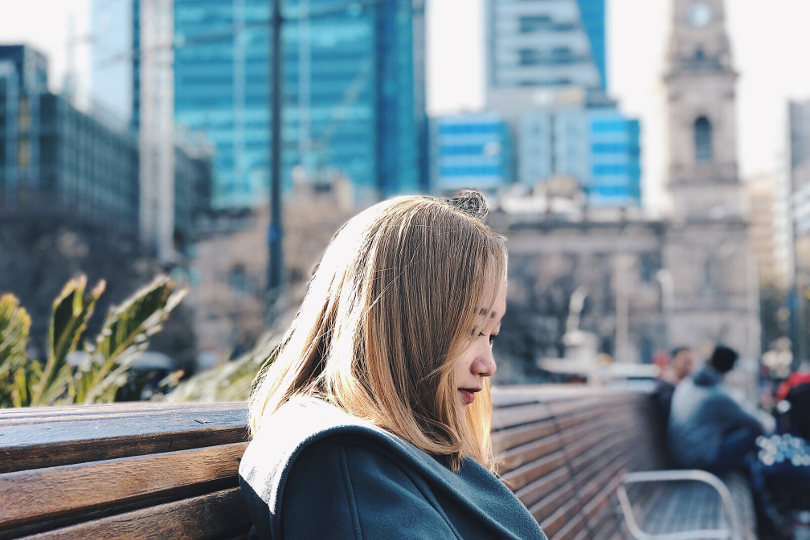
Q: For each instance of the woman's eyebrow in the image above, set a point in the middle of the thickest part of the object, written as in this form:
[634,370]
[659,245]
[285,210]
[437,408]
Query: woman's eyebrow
[484,311]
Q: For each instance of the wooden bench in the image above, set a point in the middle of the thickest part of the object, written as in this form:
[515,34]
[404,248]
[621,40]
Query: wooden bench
[170,470]
[566,452]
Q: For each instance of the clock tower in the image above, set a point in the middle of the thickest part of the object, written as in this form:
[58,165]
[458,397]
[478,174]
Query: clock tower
[715,287]
[700,82]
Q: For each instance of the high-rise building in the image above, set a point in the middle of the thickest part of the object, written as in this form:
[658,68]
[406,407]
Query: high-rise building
[353,93]
[799,171]
[615,153]
[597,147]
[799,190]
[547,76]
[769,229]
[152,119]
[559,43]
[470,151]
[54,156]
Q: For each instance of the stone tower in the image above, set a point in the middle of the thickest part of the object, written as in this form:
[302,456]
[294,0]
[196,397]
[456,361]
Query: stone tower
[706,251]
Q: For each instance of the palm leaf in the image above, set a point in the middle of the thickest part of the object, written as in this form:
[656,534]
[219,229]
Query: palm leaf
[126,331]
[69,316]
[15,324]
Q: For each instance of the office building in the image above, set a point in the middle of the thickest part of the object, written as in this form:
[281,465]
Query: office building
[470,151]
[615,153]
[547,77]
[54,156]
[559,43]
[597,147]
[353,93]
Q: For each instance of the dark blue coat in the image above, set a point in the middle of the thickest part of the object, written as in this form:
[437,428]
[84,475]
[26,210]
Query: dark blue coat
[315,472]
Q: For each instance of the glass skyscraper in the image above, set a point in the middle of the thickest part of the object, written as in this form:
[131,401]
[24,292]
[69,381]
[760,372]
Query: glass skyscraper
[615,159]
[547,76]
[598,147]
[546,44]
[471,151]
[353,93]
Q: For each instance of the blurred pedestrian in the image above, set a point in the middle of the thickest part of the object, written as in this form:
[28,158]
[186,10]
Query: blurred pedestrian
[707,428]
[673,371]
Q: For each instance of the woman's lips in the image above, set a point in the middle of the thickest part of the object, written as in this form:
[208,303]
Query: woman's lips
[467,395]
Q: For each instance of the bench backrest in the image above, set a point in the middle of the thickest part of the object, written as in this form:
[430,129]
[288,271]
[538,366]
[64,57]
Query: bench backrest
[170,470]
[565,450]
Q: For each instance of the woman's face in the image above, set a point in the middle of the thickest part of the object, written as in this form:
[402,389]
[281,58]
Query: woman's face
[476,362]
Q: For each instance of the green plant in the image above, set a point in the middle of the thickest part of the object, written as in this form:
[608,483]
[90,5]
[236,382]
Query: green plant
[105,362]
[14,327]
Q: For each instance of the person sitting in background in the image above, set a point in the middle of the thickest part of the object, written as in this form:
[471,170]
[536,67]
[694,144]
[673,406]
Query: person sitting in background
[707,428]
[676,369]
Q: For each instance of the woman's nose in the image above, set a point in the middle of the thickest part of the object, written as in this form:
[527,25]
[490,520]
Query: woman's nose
[485,364]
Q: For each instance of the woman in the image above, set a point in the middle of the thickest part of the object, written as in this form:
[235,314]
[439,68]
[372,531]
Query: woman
[373,420]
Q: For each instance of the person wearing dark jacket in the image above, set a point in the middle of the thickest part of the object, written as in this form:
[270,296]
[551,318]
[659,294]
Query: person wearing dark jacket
[707,428]
[677,368]
[372,420]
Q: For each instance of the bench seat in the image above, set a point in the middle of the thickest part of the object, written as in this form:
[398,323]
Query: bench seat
[169,471]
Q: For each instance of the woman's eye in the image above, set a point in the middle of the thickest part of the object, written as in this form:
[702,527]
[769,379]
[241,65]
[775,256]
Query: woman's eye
[492,337]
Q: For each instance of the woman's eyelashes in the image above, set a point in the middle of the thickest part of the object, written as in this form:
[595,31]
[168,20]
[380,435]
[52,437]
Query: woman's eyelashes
[492,337]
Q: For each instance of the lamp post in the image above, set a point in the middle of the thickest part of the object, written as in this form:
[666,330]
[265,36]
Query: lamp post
[275,233]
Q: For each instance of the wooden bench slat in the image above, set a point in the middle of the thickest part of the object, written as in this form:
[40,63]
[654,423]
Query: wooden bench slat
[567,514]
[515,436]
[46,493]
[515,416]
[526,453]
[139,409]
[214,515]
[521,476]
[69,452]
[535,491]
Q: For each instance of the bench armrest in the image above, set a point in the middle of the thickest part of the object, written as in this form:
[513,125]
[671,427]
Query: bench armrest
[693,475]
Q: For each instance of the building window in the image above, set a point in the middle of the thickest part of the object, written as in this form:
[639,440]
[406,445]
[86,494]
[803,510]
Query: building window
[703,139]
[647,267]
[23,153]
[529,57]
[534,23]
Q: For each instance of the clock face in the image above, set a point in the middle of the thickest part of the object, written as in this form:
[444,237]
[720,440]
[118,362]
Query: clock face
[699,14]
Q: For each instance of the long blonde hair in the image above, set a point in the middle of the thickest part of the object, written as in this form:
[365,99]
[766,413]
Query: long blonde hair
[395,298]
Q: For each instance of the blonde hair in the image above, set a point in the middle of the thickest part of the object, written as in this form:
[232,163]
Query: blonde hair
[395,298]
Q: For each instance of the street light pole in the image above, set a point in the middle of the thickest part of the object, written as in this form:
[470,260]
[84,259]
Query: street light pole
[275,232]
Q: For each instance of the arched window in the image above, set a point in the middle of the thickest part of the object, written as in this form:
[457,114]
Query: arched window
[703,139]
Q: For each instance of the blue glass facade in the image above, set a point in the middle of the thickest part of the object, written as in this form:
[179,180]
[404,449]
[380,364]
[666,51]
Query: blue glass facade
[54,156]
[353,93]
[592,14]
[615,159]
[471,151]
[598,147]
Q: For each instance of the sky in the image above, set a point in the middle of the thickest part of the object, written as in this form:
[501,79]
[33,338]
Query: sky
[768,41]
